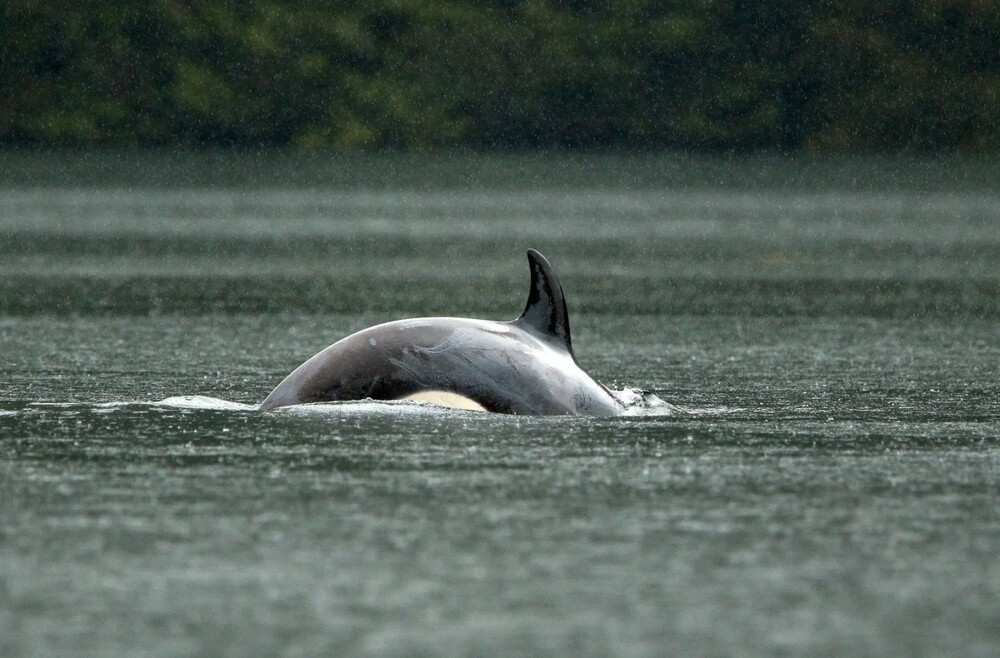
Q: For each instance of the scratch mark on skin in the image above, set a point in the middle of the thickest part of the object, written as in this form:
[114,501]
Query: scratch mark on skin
[459,339]
[461,361]
[582,400]
[410,370]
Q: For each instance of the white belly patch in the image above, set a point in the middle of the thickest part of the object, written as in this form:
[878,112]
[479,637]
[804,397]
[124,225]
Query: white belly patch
[445,399]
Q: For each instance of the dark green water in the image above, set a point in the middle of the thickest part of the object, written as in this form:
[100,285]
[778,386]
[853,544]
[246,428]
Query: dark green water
[829,330]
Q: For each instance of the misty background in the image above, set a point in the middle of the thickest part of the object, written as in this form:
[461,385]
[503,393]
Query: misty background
[814,76]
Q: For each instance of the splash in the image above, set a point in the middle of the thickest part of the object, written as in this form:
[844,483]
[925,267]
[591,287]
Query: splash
[638,402]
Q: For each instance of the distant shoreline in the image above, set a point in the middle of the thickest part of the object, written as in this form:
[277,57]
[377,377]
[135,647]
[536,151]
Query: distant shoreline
[748,77]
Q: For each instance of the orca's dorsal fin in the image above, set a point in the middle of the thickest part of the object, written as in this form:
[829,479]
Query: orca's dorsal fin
[545,313]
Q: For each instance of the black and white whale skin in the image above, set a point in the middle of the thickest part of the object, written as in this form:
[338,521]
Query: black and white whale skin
[524,367]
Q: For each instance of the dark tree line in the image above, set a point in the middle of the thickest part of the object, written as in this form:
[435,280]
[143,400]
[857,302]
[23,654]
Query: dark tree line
[850,75]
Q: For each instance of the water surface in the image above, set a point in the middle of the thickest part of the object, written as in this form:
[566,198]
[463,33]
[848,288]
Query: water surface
[828,330]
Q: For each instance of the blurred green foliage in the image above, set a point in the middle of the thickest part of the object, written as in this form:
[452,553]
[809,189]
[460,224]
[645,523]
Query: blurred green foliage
[852,75]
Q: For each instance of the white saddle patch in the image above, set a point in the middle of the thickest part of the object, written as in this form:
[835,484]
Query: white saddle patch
[445,399]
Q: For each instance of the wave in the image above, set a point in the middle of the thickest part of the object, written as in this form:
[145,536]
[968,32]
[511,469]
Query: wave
[637,403]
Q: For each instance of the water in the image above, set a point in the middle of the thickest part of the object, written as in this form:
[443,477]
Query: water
[828,485]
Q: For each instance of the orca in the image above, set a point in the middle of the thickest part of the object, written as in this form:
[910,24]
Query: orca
[524,367]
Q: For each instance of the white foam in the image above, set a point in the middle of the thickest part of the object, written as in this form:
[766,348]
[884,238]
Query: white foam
[178,402]
[638,402]
[203,402]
